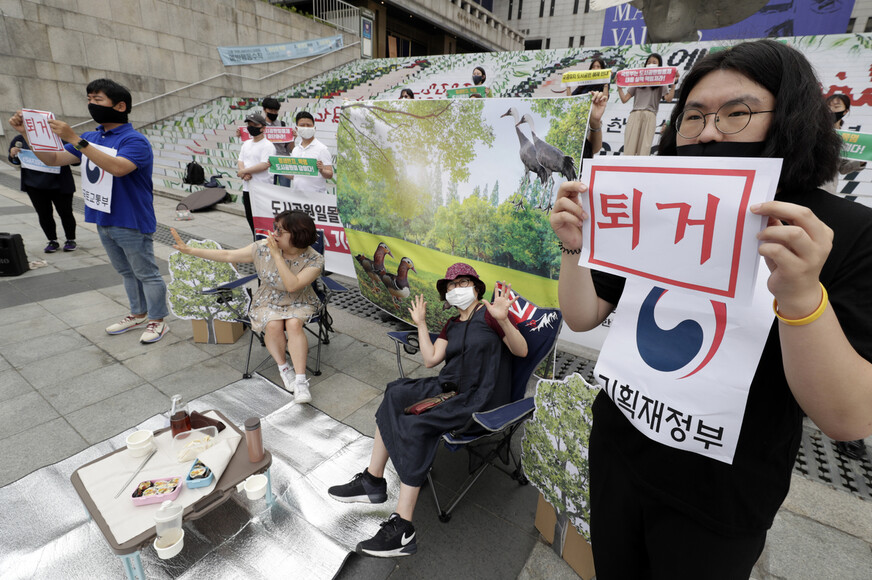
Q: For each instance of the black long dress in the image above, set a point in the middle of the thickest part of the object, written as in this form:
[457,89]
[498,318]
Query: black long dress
[478,364]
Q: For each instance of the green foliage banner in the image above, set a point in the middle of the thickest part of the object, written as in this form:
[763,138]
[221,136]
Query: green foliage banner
[455,180]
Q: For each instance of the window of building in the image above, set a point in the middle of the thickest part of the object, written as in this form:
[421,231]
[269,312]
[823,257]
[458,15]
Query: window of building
[851,25]
[551,10]
[520,7]
[580,41]
[575,7]
[868,25]
[511,8]
[547,43]
[571,40]
[541,8]
[533,44]
[586,6]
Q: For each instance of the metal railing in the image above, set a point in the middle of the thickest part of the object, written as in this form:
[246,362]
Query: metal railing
[337,13]
[227,74]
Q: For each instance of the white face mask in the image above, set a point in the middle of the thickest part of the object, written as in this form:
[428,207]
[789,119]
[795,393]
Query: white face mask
[652,65]
[461,298]
[306,132]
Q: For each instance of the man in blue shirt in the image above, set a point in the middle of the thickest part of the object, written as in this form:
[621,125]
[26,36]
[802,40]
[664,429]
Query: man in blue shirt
[117,187]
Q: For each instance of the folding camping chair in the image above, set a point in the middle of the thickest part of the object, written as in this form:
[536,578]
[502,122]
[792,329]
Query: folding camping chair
[324,287]
[489,435]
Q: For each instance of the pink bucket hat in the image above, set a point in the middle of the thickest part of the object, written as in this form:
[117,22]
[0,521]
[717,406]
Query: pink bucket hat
[455,271]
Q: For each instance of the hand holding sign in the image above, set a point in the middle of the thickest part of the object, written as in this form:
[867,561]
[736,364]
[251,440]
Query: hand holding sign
[568,216]
[795,244]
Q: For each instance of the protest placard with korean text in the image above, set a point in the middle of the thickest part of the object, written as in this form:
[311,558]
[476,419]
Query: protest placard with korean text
[857,145]
[681,222]
[97,183]
[39,133]
[646,77]
[29,160]
[281,165]
[273,134]
[586,77]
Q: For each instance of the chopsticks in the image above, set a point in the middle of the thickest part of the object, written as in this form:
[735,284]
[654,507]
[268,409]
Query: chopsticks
[138,469]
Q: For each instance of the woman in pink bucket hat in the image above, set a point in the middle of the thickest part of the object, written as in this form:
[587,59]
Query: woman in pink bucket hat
[474,346]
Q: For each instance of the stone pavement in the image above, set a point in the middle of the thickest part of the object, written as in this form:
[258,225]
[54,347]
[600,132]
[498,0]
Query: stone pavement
[65,385]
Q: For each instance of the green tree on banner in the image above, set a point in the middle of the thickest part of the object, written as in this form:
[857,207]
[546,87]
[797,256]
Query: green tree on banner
[555,450]
[190,275]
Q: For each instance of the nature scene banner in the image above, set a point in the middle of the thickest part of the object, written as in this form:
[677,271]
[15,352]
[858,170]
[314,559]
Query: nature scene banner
[428,183]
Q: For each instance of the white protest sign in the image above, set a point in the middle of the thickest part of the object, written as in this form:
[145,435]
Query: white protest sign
[268,200]
[680,222]
[96,183]
[646,77]
[29,160]
[39,133]
[679,366]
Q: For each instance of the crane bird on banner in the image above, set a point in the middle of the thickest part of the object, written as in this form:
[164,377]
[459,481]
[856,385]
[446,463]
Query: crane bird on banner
[527,152]
[551,158]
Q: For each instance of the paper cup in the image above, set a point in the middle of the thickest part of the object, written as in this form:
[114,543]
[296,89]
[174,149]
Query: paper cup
[140,443]
[164,552]
[255,486]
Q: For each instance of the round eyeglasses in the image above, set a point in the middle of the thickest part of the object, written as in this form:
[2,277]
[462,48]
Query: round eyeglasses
[729,120]
[462,283]
[278,230]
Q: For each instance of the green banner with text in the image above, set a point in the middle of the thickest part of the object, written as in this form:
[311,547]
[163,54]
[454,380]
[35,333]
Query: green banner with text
[857,145]
[293,165]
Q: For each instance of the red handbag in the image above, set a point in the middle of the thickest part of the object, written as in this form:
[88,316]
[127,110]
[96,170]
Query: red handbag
[426,404]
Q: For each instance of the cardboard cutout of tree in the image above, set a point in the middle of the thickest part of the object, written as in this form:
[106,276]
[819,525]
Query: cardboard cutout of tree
[190,275]
[555,451]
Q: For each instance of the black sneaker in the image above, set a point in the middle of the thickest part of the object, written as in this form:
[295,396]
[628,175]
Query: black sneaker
[52,247]
[395,538]
[853,449]
[363,488]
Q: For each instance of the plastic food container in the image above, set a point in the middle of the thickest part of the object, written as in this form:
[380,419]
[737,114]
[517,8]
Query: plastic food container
[168,527]
[156,490]
[188,445]
[199,476]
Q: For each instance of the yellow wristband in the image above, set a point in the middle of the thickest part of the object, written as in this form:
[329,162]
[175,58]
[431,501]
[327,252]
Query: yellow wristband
[808,319]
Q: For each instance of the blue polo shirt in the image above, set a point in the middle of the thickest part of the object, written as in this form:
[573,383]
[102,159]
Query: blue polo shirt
[132,195]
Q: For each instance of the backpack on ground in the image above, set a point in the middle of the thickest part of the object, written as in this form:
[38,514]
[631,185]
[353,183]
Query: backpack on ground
[194,174]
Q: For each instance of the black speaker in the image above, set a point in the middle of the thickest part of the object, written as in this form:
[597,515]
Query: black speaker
[13,259]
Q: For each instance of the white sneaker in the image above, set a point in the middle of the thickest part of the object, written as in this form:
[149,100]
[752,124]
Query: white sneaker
[302,392]
[154,331]
[127,323]
[288,379]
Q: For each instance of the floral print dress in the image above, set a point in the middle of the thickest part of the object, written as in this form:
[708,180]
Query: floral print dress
[271,301]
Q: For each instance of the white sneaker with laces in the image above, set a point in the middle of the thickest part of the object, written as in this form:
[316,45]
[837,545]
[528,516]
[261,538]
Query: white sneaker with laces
[302,394]
[288,379]
[127,323]
[154,331]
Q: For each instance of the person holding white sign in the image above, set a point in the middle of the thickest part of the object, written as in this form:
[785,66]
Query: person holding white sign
[670,509]
[597,63]
[117,187]
[311,148]
[840,105]
[45,186]
[253,163]
[639,132]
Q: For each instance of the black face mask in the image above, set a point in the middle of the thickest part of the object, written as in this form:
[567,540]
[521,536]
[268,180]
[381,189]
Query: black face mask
[477,79]
[838,115]
[722,149]
[254,131]
[103,114]
[272,116]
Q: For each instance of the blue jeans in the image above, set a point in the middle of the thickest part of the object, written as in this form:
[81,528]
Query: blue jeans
[131,253]
[282,180]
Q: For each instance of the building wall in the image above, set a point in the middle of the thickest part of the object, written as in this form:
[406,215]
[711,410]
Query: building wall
[558,29]
[50,49]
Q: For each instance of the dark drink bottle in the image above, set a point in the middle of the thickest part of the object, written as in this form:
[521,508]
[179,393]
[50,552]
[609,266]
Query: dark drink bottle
[180,421]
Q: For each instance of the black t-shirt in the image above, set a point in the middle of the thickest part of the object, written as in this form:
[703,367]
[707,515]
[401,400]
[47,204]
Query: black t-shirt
[746,495]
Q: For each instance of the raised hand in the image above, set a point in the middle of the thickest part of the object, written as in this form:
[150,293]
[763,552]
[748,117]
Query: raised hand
[567,216]
[598,102]
[16,121]
[499,308]
[180,245]
[273,244]
[418,311]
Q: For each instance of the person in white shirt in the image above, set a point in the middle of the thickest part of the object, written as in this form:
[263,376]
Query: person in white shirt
[311,148]
[254,161]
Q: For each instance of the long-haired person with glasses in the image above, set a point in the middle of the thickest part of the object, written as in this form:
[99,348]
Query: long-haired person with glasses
[660,512]
[286,265]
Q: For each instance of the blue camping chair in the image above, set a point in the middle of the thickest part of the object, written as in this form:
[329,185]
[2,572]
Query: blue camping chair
[324,287]
[488,437]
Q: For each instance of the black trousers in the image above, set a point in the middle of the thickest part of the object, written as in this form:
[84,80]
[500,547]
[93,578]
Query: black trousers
[249,217]
[635,536]
[42,200]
